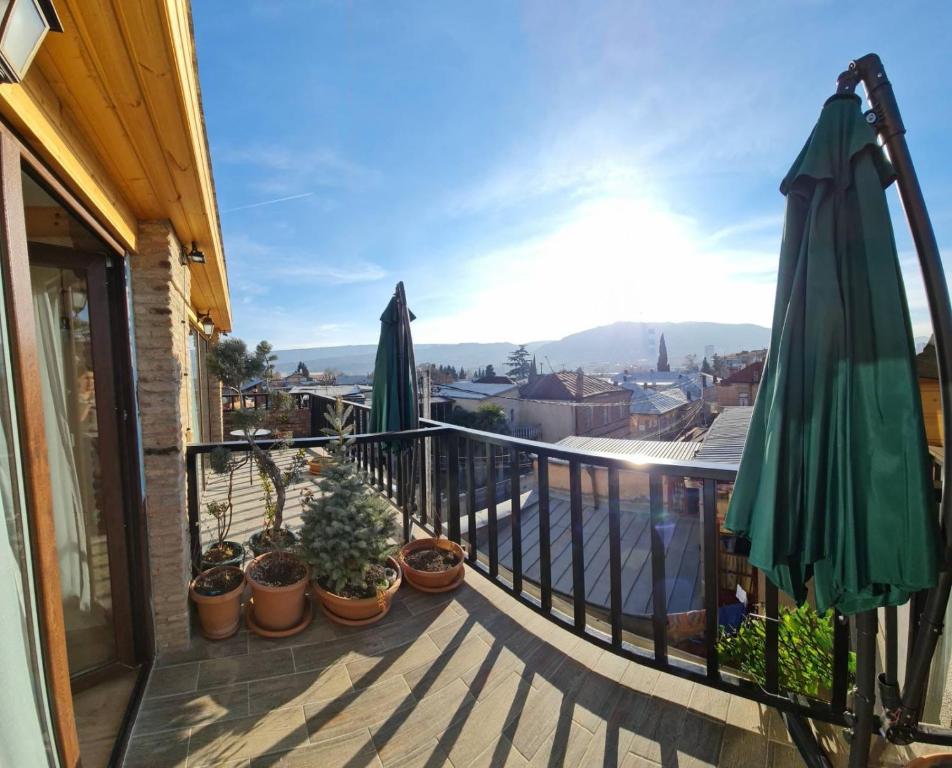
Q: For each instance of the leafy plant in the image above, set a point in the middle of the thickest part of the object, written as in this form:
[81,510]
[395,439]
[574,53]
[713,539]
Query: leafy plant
[805,649]
[222,462]
[347,528]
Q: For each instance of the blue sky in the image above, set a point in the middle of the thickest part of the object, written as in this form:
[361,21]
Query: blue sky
[534,169]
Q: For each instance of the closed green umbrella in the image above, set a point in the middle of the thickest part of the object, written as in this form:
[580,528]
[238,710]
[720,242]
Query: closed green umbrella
[394,404]
[834,483]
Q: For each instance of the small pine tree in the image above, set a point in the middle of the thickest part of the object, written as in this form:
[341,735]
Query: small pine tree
[347,529]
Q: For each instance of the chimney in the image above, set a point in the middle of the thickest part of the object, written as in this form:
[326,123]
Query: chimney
[579,383]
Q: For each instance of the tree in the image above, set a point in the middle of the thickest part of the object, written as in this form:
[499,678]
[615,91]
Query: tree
[706,367]
[720,366]
[663,365]
[230,361]
[533,369]
[347,529]
[519,363]
[490,371]
[462,373]
[690,363]
[303,370]
[489,417]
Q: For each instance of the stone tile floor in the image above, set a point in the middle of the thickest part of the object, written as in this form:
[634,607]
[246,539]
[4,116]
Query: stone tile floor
[472,678]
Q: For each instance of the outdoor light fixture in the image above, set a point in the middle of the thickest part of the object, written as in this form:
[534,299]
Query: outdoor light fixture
[194,256]
[208,325]
[23,25]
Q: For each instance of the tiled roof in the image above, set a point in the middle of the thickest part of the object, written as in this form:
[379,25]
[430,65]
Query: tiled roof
[749,375]
[564,386]
[654,449]
[659,402]
[724,441]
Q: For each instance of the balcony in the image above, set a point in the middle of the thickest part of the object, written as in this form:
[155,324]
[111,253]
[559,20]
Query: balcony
[585,633]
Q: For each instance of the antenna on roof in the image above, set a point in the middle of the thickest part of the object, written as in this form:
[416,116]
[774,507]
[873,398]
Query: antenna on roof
[551,369]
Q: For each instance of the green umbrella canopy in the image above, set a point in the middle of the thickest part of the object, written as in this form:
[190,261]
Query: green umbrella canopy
[394,404]
[834,482]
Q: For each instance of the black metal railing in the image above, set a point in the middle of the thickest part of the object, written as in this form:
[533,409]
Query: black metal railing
[440,475]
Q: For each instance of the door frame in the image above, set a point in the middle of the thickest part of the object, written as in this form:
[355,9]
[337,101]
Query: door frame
[16,158]
[107,416]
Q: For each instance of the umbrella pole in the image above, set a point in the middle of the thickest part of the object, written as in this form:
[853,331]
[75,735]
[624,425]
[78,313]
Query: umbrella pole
[864,697]
[885,118]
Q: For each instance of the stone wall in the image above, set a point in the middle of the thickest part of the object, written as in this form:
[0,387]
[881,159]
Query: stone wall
[216,433]
[161,290]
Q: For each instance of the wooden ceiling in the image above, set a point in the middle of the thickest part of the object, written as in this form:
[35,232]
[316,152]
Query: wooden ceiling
[113,105]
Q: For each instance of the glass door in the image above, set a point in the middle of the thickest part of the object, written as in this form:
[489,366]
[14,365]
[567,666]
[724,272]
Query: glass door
[77,383]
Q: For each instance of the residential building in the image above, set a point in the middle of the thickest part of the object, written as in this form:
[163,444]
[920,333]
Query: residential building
[927,370]
[740,388]
[567,403]
[664,414]
[112,284]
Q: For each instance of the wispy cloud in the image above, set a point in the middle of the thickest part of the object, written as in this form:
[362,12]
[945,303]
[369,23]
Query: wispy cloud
[286,167]
[276,200]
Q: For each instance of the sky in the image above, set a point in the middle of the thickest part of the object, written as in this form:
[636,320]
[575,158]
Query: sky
[533,169]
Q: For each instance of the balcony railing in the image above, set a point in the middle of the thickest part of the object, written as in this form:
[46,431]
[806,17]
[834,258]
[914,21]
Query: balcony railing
[553,527]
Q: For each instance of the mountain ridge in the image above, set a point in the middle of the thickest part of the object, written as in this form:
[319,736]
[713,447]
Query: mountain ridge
[606,347]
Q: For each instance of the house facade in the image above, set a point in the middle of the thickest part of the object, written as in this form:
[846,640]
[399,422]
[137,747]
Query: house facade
[740,388]
[663,414]
[572,403]
[112,286]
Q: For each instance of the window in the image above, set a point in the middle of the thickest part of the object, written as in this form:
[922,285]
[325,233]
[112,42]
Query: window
[743,398]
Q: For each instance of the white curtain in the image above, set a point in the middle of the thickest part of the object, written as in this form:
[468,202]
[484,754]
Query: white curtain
[71,544]
[22,738]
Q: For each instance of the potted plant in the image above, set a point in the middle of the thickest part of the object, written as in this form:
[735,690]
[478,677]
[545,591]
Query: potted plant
[433,564]
[279,605]
[346,536]
[222,551]
[217,595]
[232,363]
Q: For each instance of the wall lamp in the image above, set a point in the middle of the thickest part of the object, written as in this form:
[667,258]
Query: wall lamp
[208,325]
[193,256]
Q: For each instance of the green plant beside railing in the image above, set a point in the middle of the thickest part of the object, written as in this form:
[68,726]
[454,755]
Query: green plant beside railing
[805,650]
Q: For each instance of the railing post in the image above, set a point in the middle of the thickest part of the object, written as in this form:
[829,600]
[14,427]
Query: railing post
[471,499]
[194,529]
[578,544]
[545,540]
[658,594]
[491,511]
[710,558]
[437,487]
[515,518]
[452,485]
[614,554]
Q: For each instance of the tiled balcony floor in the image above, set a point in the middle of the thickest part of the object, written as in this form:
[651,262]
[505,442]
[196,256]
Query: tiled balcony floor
[467,679]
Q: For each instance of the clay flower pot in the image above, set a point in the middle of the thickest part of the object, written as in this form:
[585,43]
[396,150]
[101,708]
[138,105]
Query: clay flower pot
[219,614]
[278,609]
[359,611]
[316,466]
[434,581]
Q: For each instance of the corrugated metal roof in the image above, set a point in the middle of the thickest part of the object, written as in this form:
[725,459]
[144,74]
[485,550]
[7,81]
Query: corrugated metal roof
[659,402]
[472,390]
[654,449]
[724,441]
[564,386]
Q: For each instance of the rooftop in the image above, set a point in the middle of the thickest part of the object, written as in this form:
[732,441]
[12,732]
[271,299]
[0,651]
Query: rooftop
[724,441]
[657,403]
[473,390]
[750,374]
[655,449]
[564,385]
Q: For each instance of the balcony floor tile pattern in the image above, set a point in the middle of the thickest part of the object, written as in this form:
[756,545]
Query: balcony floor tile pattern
[471,678]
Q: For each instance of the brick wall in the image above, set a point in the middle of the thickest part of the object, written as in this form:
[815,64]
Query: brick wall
[299,420]
[161,290]
[214,410]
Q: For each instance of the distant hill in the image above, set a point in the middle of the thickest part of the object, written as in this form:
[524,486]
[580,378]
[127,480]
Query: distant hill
[607,347]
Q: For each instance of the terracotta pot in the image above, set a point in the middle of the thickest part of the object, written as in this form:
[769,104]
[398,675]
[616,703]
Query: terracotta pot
[367,610]
[938,760]
[430,581]
[316,466]
[236,561]
[278,608]
[260,547]
[219,615]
